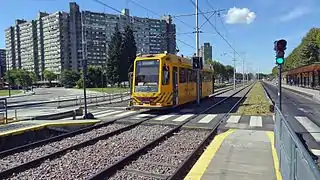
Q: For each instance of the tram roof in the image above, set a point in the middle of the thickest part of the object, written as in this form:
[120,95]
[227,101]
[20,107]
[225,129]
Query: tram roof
[183,60]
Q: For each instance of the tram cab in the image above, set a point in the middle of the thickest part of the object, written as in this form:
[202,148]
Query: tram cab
[166,80]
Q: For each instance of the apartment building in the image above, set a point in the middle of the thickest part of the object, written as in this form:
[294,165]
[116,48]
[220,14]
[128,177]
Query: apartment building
[54,41]
[206,51]
[10,50]
[28,46]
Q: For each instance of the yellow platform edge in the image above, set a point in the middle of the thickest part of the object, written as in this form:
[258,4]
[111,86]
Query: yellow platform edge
[274,155]
[40,126]
[203,162]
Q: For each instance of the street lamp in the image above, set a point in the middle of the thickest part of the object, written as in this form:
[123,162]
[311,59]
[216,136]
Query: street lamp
[84,69]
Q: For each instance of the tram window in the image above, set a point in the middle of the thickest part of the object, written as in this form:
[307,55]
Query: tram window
[165,75]
[190,75]
[182,75]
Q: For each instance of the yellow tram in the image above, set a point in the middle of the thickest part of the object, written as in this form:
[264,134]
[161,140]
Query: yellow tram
[167,80]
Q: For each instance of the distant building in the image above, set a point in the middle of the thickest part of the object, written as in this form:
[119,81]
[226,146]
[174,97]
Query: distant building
[28,46]
[54,41]
[206,51]
[2,62]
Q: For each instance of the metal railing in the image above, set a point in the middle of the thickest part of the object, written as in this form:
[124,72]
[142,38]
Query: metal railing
[91,99]
[295,162]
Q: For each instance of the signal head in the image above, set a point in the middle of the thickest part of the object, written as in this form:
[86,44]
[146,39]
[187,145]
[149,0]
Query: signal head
[281,45]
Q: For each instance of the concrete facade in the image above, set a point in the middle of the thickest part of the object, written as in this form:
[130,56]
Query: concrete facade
[55,42]
[28,46]
[10,47]
[206,51]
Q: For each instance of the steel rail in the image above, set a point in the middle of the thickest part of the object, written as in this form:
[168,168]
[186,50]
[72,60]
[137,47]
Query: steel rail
[191,159]
[109,171]
[35,162]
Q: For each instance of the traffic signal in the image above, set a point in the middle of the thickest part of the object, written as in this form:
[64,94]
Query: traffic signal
[196,62]
[280,46]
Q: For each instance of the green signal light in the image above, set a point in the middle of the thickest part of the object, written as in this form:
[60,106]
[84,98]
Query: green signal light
[280,60]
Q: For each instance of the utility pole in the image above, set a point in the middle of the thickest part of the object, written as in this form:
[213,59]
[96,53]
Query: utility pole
[197,52]
[234,70]
[8,74]
[84,68]
[243,73]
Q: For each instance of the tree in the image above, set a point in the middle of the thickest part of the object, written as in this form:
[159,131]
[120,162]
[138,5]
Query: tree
[310,53]
[129,50]
[275,71]
[69,78]
[49,75]
[32,78]
[306,52]
[11,77]
[219,70]
[229,72]
[114,57]
[94,75]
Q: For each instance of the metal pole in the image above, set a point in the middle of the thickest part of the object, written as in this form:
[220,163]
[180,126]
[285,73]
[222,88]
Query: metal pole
[9,84]
[234,69]
[197,52]
[84,68]
[243,73]
[279,86]
[102,79]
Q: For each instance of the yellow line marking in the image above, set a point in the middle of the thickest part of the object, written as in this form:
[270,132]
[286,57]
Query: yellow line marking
[201,165]
[275,156]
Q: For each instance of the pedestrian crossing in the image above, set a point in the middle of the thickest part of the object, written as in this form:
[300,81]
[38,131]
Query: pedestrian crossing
[232,121]
[209,120]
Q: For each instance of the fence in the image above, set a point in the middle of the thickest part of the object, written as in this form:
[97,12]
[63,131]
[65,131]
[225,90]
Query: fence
[295,162]
[92,99]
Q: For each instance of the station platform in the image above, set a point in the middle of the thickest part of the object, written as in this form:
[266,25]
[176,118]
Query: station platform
[311,93]
[238,154]
[22,126]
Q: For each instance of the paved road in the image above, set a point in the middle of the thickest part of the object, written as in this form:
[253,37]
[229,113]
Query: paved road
[47,94]
[302,113]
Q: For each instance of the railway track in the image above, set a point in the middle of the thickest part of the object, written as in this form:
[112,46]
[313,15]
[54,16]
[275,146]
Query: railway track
[56,137]
[171,154]
[104,147]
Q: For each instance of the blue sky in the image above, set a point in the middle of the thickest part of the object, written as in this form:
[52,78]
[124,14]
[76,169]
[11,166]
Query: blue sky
[251,26]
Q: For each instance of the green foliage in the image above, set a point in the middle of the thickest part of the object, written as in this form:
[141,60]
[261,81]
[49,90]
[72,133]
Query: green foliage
[69,78]
[129,51]
[49,75]
[21,77]
[114,57]
[275,71]
[95,78]
[221,71]
[307,52]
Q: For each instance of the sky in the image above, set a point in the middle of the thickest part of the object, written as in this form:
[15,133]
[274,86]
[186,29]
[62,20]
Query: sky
[249,26]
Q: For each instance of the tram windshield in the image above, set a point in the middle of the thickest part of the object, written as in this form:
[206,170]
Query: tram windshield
[147,76]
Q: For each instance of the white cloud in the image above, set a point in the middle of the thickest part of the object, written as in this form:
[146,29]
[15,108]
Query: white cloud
[240,16]
[295,13]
